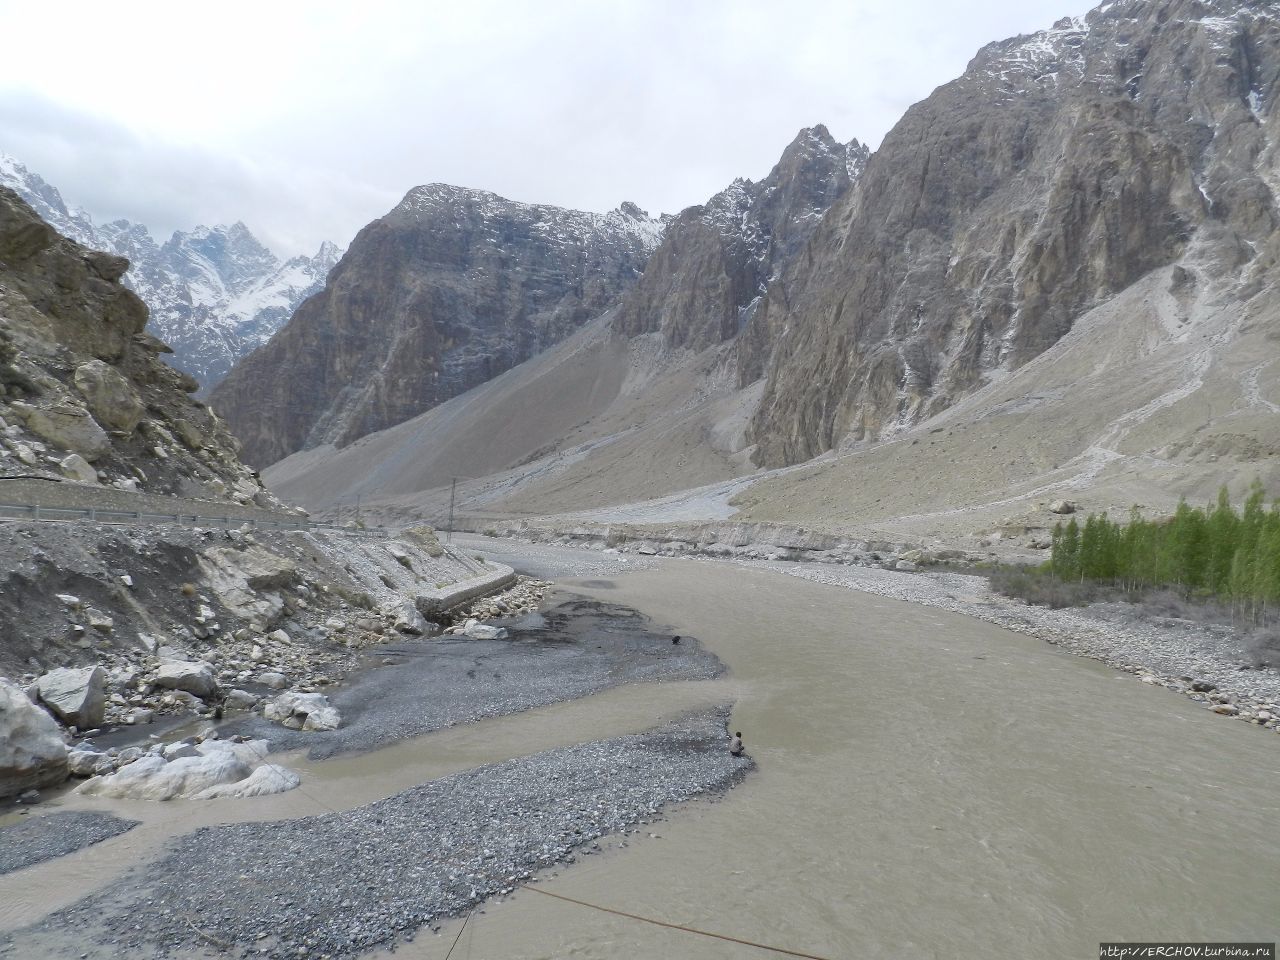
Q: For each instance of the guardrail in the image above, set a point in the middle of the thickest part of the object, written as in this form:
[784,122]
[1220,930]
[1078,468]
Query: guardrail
[22,511]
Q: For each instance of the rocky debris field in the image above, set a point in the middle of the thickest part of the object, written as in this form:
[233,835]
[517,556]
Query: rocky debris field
[112,627]
[572,648]
[55,835]
[343,883]
[1202,662]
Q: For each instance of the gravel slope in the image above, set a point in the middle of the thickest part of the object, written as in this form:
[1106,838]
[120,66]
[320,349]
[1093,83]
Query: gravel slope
[55,835]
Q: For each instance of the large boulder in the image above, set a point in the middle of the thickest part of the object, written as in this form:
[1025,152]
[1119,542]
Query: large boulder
[76,696]
[406,618]
[194,677]
[67,425]
[154,778]
[247,581]
[32,753]
[483,631]
[76,467]
[303,711]
[109,396]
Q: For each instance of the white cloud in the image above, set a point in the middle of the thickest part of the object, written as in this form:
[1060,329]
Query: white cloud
[306,120]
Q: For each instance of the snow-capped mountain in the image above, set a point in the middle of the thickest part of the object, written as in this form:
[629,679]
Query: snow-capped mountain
[215,293]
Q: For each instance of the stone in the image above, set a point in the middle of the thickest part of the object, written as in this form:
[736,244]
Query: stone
[77,468]
[906,566]
[191,435]
[1226,709]
[109,396]
[407,619]
[401,555]
[266,780]
[305,711]
[1062,507]
[83,763]
[32,753]
[67,425]
[154,778]
[193,677]
[241,700]
[483,631]
[280,636]
[276,681]
[76,696]
[68,600]
[99,620]
[248,581]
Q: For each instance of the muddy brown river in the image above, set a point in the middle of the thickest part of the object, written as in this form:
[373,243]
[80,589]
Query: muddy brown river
[928,786]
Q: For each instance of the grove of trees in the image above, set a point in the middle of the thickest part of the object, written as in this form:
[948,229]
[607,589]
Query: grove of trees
[1213,552]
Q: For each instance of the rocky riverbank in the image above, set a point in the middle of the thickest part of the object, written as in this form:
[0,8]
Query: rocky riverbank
[114,628]
[343,883]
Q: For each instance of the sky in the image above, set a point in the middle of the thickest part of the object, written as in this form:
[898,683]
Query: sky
[307,120]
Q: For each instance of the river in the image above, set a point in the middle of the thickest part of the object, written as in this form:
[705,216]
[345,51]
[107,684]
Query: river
[928,786]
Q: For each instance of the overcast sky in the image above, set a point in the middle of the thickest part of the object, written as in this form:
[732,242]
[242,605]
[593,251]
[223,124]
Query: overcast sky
[306,120]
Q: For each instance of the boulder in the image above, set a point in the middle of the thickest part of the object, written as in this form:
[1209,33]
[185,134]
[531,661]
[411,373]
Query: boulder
[84,763]
[77,697]
[32,753]
[77,468]
[1062,507]
[482,631]
[407,619]
[303,711]
[109,396]
[154,778]
[67,425]
[276,681]
[194,677]
[264,781]
[247,581]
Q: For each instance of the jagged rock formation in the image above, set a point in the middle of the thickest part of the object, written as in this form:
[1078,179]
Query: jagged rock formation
[717,259]
[1058,170]
[83,394]
[643,399]
[448,290]
[214,293]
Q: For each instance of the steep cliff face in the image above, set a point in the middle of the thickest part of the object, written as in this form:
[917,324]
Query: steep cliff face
[450,289]
[716,260]
[1058,170]
[83,395]
[214,293]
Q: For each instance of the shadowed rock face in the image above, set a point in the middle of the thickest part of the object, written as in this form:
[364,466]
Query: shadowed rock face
[451,288]
[1055,172]
[716,259]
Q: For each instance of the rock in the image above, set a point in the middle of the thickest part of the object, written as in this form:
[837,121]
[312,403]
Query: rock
[280,636]
[247,581]
[76,467]
[77,697]
[32,753]
[109,396]
[129,755]
[99,620]
[154,778]
[333,623]
[191,435]
[141,715]
[67,425]
[905,565]
[1203,686]
[241,700]
[196,678]
[483,631]
[175,751]
[305,711]
[68,600]
[401,555]
[83,763]
[265,780]
[1062,507]
[1226,709]
[276,681]
[407,619]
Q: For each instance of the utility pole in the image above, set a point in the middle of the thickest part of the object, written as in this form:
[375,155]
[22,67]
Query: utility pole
[453,489]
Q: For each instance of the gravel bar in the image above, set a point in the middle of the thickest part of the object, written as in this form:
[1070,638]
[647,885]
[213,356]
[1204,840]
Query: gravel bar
[573,648]
[340,884]
[55,835]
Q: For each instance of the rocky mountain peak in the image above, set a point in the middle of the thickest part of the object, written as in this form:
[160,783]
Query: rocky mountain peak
[214,292]
[448,290]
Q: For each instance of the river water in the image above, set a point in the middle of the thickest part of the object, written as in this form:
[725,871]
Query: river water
[928,786]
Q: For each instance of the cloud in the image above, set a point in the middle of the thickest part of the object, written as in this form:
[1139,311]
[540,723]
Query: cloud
[307,120]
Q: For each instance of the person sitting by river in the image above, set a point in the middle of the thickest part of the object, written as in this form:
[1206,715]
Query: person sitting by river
[735,745]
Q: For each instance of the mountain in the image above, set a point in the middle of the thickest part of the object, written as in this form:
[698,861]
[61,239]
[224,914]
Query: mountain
[1056,172]
[83,394]
[643,399]
[1056,278]
[214,293]
[449,289]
